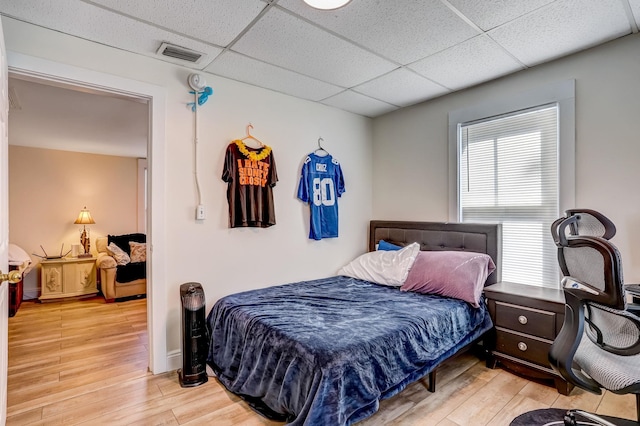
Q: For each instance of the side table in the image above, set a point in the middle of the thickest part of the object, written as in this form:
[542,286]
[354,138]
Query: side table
[526,321]
[67,277]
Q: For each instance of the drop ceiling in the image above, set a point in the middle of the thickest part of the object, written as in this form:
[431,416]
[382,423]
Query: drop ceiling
[369,57]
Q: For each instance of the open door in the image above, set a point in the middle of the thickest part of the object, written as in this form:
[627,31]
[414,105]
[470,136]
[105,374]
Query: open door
[4,225]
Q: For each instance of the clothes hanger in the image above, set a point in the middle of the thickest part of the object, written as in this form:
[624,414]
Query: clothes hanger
[320,148]
[250,136]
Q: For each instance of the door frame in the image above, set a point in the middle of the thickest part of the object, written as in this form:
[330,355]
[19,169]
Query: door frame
[4,226]
[64,74]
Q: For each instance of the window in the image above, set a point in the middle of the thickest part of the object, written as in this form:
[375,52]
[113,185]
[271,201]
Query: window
[512,167]
[509,174]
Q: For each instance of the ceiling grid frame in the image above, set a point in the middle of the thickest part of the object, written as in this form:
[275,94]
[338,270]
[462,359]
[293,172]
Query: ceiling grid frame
[381,82]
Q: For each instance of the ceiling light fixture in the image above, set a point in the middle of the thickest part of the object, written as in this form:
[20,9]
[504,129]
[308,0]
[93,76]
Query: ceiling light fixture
[326,4]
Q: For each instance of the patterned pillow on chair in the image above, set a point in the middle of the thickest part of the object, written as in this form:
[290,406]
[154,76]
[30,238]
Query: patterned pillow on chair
[138,252]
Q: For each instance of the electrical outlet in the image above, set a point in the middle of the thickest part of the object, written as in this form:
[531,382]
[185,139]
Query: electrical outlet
[200,212]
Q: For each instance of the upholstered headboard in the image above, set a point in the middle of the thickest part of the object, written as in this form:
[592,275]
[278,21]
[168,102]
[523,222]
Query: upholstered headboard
[476,237]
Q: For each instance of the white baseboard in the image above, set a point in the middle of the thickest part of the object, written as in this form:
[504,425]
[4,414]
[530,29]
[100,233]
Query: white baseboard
[174,360]
[30,294]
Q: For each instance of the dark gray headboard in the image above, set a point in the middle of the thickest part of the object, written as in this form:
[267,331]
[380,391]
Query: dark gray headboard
[477,237]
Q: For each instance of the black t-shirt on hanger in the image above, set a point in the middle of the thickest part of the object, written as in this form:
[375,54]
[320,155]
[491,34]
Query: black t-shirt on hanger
[250,179]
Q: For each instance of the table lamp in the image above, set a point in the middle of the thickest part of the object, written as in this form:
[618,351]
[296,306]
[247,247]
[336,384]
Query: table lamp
[84,218]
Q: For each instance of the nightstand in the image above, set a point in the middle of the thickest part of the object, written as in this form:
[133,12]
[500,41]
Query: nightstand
[526,321]
[67,277]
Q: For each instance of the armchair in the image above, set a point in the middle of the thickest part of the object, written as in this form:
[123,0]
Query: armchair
[127,278]
[599,344]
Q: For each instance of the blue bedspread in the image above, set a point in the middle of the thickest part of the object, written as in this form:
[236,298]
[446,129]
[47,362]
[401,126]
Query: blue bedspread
[325,352]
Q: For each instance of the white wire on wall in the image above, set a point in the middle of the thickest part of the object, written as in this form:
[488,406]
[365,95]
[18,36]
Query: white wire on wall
[201,93]
[195,145]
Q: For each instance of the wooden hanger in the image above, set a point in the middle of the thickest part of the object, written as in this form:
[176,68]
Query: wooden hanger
[320,148]
[249,136]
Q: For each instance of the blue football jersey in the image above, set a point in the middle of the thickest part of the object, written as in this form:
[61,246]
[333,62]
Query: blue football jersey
[321,183]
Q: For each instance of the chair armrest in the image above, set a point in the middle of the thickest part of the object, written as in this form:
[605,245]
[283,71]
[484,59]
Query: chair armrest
[105,261]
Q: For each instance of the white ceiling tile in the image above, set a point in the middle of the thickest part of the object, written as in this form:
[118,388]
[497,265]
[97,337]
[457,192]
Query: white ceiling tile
[242,68]
[213,21]
[102,26]
[488,14]
[451,67]
[359,104]
[401,30]
[562,28]
[401,87]
[294,49]
[284,40]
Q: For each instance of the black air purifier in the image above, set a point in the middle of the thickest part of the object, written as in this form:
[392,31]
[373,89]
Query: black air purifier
[194,336]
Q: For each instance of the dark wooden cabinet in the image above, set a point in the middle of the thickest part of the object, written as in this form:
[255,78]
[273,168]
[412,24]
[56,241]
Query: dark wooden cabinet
[526,321]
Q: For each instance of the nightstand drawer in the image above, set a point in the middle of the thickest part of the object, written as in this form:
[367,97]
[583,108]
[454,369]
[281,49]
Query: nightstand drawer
[536,322]
[523,347]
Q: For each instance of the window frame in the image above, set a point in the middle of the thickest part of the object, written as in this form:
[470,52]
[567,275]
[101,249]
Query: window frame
[560,93]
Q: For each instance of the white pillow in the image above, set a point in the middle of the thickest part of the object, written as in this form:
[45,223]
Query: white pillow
[17,256]
[383,267]
[121,257]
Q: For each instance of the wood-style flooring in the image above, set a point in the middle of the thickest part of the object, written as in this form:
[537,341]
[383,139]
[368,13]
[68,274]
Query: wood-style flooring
[85,362]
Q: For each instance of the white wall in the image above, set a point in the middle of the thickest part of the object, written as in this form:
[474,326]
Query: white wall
[230,260]
[410,152]
[47,190]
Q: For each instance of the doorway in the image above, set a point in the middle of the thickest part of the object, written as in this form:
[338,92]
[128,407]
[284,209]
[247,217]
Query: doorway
[71,150]
[82,79]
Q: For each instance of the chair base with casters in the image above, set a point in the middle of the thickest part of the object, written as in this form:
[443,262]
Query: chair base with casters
[560,416]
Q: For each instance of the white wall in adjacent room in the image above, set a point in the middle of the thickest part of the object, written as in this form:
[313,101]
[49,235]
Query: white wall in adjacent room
[47,190]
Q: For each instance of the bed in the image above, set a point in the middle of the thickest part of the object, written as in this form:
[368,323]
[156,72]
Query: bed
[327,351]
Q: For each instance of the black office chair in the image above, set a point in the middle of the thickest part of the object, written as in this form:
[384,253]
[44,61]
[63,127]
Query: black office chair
[599,344]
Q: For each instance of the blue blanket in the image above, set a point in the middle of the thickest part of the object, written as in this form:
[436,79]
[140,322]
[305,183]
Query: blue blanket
[325,352]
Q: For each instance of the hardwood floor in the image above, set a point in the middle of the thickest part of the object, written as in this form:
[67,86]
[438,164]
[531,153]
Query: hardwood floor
[85,362]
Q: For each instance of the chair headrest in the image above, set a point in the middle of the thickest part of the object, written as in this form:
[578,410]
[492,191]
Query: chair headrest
[591,223]
[590,263]
[582,222]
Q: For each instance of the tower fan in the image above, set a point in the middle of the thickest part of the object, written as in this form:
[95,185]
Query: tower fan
[194,336]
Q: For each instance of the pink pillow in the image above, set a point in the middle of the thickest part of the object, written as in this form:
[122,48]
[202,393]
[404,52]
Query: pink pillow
[457,274]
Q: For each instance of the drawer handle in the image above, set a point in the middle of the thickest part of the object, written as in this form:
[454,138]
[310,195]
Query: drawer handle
[522,319]
[522,346]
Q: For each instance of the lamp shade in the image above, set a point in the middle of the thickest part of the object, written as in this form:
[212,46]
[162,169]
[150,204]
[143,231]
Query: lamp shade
[326,4]
[84,218]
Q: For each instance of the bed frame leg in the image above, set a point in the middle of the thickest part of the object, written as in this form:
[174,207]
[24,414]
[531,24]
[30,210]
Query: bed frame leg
[432,381]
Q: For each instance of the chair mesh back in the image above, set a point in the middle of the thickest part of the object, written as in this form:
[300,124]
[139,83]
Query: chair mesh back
[586,265]
[589,225]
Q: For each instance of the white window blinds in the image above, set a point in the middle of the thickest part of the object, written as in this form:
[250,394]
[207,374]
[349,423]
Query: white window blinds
[508,173]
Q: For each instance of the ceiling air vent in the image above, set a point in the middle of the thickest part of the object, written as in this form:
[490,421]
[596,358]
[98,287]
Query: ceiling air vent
[180,53]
